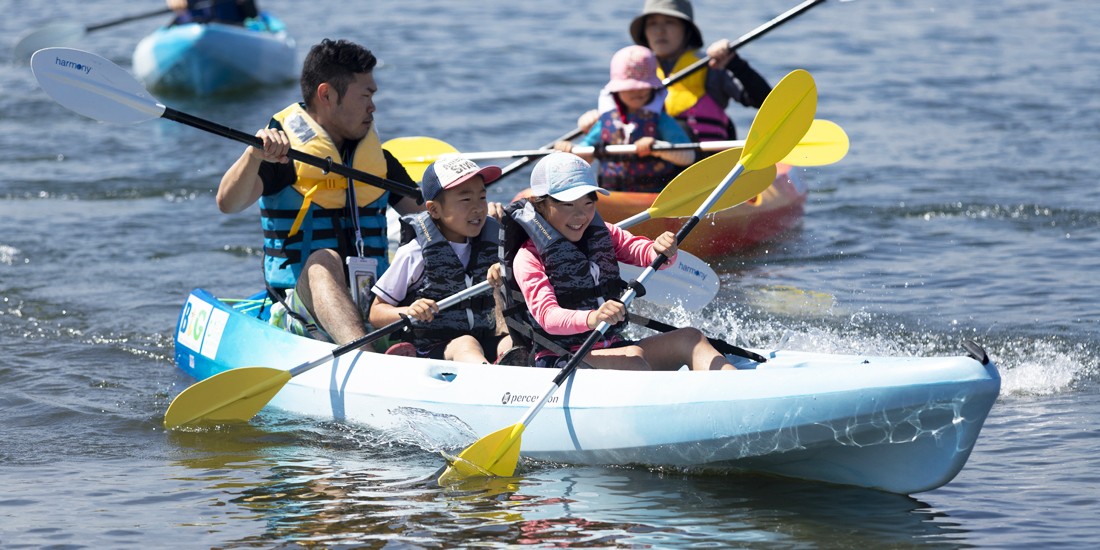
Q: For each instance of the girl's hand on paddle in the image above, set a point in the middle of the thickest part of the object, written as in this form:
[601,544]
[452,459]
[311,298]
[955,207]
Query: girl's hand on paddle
[422,310]
[587,120]
[276,146]
[496,211]
[642,146]
[564,146]
[665,244]
[610,312]
[495,277]
[720,54]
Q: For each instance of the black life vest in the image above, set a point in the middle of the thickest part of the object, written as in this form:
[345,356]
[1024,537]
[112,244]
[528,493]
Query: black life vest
[444,276]
[567,267]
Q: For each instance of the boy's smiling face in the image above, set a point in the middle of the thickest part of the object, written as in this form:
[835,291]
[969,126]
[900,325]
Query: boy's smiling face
[460,211]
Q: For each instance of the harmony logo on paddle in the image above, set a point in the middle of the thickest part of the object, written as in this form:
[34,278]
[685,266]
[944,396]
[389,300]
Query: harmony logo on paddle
[510,398]
[73,65]
[693,271]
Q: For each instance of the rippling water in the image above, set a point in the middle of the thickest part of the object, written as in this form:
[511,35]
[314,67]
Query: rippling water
[967,207]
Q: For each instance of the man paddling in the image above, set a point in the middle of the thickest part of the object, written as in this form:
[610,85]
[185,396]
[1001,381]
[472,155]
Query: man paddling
[310,232]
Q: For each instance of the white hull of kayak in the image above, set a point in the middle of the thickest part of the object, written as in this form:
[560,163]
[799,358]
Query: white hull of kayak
[898,424]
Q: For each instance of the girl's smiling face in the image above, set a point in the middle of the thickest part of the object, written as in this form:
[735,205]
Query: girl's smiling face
[569,218]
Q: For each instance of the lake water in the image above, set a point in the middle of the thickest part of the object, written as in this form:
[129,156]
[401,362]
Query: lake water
[968,207]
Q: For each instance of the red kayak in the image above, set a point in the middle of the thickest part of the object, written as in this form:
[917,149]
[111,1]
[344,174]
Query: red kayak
[752,222]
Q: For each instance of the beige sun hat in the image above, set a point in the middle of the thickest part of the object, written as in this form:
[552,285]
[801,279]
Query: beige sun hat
[680,9]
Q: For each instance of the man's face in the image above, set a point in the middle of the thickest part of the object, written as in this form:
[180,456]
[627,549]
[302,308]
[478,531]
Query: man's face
[353,114]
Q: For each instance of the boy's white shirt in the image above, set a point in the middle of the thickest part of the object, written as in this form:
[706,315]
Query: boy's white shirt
[407,269]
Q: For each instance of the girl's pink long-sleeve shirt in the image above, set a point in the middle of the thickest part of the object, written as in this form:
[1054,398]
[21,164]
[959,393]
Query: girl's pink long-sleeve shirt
[531,276]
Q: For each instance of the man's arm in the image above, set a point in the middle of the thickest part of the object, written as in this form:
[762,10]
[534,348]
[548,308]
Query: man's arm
[396,172]
[241,186]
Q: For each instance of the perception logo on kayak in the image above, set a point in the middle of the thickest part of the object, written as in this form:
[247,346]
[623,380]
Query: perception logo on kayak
[73,65]
[510,398]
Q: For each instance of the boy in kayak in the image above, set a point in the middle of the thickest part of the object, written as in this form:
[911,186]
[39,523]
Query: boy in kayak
[452,247]
[561,258]
[229,12]
[699,101]
[636,119]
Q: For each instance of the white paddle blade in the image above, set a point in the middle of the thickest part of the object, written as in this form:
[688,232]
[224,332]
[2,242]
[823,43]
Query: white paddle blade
[57,34]
[93,86]
[689,283]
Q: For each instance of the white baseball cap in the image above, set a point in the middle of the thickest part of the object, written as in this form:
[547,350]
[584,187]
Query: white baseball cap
[564,176]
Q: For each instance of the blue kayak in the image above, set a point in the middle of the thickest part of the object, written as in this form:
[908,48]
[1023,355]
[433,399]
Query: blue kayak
[206,58]
[898,424]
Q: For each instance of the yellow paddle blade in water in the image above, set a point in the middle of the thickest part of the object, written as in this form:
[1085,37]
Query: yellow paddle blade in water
[495,454]
[233,395]
[683,195]
[782,120]
[824,143]
[416,153]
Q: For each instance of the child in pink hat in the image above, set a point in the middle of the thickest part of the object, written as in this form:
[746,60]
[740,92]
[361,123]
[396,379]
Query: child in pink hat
[638,118]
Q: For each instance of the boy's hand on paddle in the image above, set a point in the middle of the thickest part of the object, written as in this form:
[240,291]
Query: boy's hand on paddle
[587,120]
[276,146]
[563,146]
[496,211]
[642,146]
[422,310]
[495,278]
[610,312]
[665,244]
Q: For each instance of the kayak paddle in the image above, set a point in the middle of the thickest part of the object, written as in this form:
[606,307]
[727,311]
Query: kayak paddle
[781,122]
[687,71]
[825,143]
[68,32]
[101,90]
[238,394]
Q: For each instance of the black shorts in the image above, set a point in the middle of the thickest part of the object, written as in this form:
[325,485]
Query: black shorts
[488,347]
[552,361]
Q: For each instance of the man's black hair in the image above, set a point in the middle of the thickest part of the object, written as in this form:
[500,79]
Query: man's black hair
[336,63]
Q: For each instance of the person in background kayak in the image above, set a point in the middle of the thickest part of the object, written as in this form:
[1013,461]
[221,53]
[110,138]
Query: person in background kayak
[452,246]
[310,231]
[230,12]
[567,272]
[699,101]
[635,120]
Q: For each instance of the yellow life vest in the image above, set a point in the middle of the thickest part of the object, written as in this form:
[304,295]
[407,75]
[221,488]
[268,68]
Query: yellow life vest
[328,190]
[684,94]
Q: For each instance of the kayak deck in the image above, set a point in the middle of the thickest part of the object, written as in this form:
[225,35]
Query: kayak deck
[900,424]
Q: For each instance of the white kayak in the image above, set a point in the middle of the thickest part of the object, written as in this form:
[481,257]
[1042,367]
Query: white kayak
[899,424]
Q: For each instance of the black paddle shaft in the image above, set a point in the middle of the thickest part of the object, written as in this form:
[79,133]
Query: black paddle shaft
[162,11]
[325,164]
[688,71]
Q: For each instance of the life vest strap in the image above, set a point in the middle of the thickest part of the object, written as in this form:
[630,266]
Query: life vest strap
[318,234]
[364,212]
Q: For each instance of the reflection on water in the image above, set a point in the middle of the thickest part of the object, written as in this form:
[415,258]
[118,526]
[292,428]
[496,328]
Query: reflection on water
[295,478]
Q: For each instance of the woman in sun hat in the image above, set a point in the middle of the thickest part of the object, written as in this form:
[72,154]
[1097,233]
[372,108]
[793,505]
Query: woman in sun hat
[636,118]
[699,101]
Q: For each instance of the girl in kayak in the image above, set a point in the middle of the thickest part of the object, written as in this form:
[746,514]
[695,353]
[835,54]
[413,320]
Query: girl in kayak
[699,101]
[638,119]
[452,246]
[561,259]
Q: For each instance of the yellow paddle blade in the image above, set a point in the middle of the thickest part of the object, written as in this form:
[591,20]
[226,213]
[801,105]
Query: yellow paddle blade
[233,395]
[416,153]
[782,120]
[824,143]
[495,454]
[683,195]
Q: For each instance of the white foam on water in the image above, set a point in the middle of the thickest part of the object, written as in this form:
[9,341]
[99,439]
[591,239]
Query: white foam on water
[8,254]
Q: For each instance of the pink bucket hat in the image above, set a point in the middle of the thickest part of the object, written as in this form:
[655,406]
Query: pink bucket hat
[633,68]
